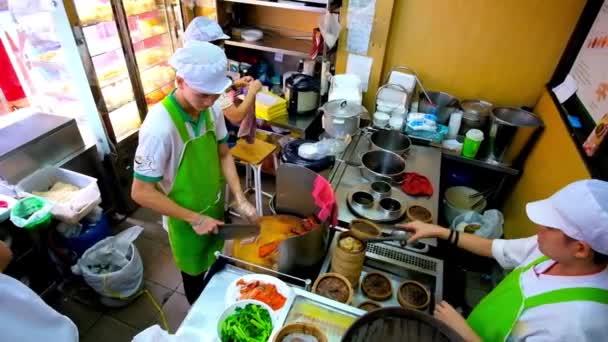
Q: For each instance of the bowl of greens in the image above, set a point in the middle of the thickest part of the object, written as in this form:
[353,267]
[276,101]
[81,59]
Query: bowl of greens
[246,321]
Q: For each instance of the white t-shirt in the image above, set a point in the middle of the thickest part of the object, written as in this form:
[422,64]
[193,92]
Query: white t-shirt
[25,317]
[570,321]
[160,145]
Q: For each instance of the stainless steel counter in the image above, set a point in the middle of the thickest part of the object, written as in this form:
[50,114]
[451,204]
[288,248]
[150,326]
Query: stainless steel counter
[201,322]
[423,160]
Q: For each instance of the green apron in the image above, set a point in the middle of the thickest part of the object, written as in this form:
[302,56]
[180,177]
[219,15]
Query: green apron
[198,186]
[497,313]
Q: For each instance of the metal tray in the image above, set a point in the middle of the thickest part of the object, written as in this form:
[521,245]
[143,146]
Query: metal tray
[375,213]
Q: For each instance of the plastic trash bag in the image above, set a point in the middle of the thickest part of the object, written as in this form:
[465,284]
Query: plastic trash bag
[330,28]
[488,225]
[154,334]
[31,213]
[113,267]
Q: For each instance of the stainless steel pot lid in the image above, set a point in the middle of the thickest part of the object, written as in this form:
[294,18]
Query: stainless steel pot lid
[475,108]
[343,109]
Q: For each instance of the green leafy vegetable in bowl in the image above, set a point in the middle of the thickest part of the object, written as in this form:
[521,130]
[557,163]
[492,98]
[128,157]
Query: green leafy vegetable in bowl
[251,323]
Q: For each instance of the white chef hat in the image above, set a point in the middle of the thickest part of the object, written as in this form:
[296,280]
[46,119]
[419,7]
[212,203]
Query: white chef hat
[204,30]
[580,210]
[202,66]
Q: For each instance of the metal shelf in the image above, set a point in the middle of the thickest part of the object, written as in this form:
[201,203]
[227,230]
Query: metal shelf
[286,46]
[289,6]
[481,163]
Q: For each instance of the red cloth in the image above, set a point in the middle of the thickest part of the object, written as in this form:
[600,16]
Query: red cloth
[416,184]
[9,82]
[325,199]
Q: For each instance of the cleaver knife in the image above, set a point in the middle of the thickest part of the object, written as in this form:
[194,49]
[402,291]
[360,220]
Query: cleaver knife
[238,231]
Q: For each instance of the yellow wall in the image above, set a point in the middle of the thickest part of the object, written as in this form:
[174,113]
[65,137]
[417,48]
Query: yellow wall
[553,163]
[501,51]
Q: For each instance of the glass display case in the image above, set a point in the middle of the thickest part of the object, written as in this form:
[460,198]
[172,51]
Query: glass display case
[39,43]
[103,62]
[153,34]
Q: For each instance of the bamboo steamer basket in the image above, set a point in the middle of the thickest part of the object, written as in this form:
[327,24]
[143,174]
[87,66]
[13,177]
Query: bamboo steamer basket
[364,229]
[406,303]
[418,213]
[302,328]
[351,291]
[347,263]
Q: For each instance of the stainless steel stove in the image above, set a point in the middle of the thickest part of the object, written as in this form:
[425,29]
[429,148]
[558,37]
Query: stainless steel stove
[345,178]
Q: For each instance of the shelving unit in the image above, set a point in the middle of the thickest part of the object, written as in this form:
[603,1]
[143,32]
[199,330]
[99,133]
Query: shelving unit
[288,6]
[287,46]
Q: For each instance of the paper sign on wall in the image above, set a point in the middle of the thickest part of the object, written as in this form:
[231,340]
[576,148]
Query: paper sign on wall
[565,90]
[360,21]
[360,66]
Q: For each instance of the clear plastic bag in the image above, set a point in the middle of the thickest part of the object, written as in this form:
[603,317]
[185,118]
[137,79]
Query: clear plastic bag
[113,267]
[488,225]
[330,28]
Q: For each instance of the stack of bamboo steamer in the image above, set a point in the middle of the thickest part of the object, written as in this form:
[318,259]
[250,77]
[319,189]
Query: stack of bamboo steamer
[350,263]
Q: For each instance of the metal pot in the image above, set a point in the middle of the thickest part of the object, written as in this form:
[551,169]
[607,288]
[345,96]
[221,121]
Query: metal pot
[475,114]
[392,141]
[302,251]
[443,105]
[510,132]
[382,165]
[341,118]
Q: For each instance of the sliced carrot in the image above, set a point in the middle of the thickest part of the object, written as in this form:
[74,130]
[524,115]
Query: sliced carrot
[267,249]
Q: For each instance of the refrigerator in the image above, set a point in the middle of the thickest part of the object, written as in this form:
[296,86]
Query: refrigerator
[102,62]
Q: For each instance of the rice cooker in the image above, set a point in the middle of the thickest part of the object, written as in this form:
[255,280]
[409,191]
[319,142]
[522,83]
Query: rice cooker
[302,94]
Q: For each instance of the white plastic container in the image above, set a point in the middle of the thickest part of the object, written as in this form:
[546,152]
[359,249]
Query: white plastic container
[454,124]
[80,204]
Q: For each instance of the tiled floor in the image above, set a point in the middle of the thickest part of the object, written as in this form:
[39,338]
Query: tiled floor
[162,280]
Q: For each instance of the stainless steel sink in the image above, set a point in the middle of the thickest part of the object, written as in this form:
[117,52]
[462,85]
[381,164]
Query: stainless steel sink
[398,264]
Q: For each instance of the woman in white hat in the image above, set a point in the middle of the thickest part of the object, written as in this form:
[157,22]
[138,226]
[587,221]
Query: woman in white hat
[203,29]
[182,162]
[558,289]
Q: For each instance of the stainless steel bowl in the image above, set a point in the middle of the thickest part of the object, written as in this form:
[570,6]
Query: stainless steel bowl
[382,165]
[391,206]
[363,199]
[393,141]
[380,189]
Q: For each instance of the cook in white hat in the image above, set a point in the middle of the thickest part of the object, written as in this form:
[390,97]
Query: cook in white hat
[203,29]
[182,162]
[558,289]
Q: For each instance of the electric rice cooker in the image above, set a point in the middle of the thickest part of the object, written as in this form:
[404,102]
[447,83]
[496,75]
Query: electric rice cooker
[302,94]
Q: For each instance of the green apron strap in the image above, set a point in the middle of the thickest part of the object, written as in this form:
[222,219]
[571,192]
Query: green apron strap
[209,124]
[174,112]
[589,294]
[495,316]
[536,262]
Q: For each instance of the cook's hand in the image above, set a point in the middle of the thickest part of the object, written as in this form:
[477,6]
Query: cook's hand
[205,225]
[243,81]
[421,230]
[242,206]
[254,86]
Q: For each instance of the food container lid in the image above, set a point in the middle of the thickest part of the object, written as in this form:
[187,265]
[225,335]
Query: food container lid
[343,109]
[301,82]
[475,134]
